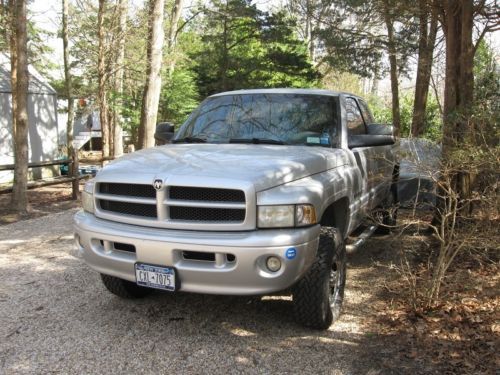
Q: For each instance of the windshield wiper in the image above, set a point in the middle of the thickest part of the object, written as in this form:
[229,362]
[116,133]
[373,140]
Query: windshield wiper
[257,141]
[190,140]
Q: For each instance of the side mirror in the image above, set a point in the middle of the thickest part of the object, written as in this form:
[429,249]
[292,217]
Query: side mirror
[378,135]
[380,129]
[164,133]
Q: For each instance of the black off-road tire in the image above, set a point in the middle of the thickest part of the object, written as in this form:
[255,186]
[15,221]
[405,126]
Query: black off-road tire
[317,303]
[123,288]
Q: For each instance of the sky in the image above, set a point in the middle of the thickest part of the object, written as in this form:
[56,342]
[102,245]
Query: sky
[47,15]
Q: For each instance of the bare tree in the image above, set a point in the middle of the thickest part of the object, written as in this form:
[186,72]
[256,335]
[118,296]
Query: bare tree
[428,25]
[102,78]
[388,10]
[310,15]
[118,79]
[13,61]
[20,109]
[151,95]
[67,78]
[172,33]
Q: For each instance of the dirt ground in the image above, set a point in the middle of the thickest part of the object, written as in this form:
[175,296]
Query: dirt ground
[42,201]
[56,317]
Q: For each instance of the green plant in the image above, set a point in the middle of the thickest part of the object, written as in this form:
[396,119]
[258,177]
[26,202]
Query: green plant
[433,124]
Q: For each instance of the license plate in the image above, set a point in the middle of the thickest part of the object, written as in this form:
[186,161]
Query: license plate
[157,277]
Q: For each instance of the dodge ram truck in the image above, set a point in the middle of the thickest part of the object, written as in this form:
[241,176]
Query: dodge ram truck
[258,193]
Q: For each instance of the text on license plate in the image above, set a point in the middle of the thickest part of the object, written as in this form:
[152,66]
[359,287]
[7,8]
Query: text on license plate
[157,277]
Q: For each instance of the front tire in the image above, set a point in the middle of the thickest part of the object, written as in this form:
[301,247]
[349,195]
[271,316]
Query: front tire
[319,295]
[123,288]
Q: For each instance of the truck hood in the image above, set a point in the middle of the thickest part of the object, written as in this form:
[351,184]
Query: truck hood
[264,166]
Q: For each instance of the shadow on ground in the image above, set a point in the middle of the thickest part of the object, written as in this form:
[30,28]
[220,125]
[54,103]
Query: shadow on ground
[57,317]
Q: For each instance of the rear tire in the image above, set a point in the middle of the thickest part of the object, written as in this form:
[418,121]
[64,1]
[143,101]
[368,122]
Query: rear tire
[319,295]
[123,288]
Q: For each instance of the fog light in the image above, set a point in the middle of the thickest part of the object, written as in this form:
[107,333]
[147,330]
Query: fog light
[273,264]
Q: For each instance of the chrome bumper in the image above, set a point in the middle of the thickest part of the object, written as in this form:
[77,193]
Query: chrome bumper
[246,275]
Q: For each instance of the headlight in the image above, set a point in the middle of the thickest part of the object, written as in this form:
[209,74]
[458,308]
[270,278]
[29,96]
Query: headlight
[276,216]
[286,216]
[88,197]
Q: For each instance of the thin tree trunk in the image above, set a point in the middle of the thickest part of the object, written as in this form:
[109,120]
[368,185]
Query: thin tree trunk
[21,153]
[466,78]
[436,94]
[309,29]
[452,31]
[120,71]
[111,121]
[427,40]
[225,52]
[67,79]
[13,63]
[101,73]
[396,115]
[172,33]
[151,95]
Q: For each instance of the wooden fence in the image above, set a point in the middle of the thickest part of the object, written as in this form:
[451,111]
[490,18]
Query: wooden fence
[73,177]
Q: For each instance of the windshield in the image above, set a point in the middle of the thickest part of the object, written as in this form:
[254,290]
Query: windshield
[295,119]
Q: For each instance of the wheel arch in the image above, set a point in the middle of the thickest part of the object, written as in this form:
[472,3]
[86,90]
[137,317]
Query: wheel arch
[337,215]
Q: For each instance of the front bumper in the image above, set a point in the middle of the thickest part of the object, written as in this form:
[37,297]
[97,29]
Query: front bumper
[245,275]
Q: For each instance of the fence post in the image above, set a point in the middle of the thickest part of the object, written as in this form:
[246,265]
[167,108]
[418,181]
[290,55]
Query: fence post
[75,174]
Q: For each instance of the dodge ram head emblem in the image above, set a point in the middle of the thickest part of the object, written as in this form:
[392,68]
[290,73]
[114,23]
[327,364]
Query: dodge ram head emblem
[158,183]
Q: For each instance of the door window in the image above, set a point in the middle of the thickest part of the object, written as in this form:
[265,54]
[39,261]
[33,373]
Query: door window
[366,112]
[355,123]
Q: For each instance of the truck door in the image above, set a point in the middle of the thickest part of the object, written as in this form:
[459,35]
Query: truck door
[356,126]
[381,161]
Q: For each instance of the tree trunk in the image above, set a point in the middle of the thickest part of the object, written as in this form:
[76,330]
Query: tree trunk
[67,79]
[427,40]
[309,29]
[225,52]
[151,95]
[172,33]
[102,77]
[21,153]
[117,127]
[459,80]
[457,22]
[111,121]
[13,63]
[396,115]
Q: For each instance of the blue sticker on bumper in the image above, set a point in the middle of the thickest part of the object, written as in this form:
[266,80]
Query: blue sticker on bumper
[291,253]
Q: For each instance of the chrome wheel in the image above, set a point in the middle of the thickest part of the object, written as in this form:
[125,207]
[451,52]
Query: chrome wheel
[334,284]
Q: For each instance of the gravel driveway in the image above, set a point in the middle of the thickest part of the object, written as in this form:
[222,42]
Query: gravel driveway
[56,317]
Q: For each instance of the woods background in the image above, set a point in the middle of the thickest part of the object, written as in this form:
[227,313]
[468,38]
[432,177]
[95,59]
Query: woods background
[430,67]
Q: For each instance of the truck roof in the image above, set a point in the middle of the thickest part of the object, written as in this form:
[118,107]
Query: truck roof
[283,91]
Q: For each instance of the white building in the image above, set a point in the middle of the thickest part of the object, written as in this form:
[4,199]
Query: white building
[44,135]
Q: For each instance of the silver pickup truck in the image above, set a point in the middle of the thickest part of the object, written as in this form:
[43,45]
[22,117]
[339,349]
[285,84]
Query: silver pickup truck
[257,193]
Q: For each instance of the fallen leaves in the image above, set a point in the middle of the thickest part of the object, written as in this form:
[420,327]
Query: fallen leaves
[460,335]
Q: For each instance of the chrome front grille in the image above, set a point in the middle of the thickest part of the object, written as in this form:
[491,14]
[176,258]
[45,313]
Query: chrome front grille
[179,207]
